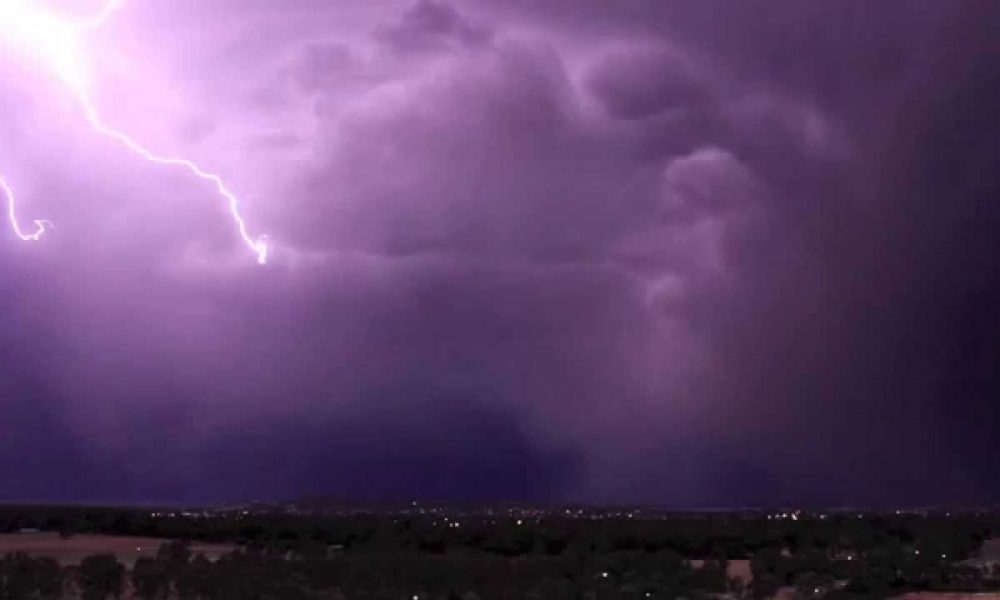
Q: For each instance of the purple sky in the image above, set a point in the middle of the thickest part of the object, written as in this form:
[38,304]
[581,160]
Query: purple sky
[686,252]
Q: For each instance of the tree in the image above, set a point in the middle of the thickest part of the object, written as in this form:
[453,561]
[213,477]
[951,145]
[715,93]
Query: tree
[175,554]
[174,557]
[196,580]
[49,578]
[100,576]
[22,576]
[17,576]
[764,586]
[309,550]
[813,585]
[149,578]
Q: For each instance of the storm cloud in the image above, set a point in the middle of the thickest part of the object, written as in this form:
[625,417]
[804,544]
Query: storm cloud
[690,253]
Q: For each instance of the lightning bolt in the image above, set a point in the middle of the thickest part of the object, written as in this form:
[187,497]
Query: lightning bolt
[40,224]
[56,41]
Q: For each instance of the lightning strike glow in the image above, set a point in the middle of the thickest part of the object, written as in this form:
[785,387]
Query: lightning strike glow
[57,42]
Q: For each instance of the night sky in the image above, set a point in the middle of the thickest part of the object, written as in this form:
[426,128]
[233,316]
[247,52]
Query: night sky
[684,252]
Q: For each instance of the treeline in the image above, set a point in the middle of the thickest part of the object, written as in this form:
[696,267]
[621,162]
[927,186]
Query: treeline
[882,572]
[313,571]
[730,537]
[478,558]
[310,572]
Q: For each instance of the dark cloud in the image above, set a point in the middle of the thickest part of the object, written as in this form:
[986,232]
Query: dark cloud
[481,155]
[438,446]
[433,25]
[642,82]
[690,253]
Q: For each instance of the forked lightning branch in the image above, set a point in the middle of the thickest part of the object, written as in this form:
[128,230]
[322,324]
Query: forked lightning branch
[58,42]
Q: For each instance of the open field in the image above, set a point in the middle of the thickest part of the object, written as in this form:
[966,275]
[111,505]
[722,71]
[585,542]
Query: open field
[72,550]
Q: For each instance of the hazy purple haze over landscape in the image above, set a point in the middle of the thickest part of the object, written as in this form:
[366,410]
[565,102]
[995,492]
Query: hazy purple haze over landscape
[683,252]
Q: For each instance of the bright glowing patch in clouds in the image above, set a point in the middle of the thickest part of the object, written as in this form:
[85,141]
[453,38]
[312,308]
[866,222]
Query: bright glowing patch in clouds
[29,29]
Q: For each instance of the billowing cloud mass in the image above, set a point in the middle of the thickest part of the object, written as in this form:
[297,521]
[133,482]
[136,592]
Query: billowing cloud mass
[689,253]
